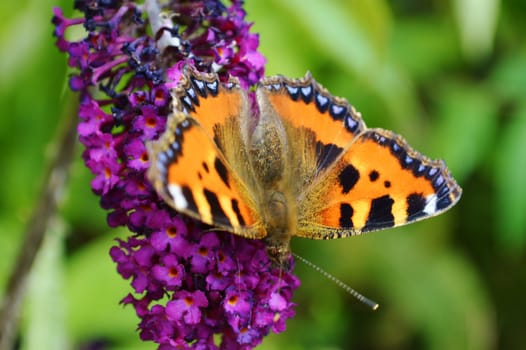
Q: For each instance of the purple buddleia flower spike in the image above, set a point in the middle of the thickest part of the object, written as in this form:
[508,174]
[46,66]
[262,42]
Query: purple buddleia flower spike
[192,288]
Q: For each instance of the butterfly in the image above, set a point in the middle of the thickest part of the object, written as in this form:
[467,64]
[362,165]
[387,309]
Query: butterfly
[288,160]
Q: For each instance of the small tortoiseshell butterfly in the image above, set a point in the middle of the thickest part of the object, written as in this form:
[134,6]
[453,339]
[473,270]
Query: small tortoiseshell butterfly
[296,162]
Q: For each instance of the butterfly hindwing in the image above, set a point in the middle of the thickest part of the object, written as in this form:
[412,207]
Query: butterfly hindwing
[379,182]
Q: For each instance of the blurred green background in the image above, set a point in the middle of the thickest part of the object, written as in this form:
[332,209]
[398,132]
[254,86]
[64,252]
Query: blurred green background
[448,75]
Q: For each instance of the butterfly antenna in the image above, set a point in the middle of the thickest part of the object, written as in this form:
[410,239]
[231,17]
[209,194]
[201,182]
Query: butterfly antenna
[372,304]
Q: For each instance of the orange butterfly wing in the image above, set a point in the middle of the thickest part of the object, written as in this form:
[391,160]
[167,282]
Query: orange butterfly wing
[305,104]
[188,167]
[366,179]
[206,99]
[381,182]
[349,180]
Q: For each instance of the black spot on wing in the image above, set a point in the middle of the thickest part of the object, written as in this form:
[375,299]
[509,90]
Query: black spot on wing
[293,91]
[326,154]
[222,171]
[188,195]
[187,103]
[373,175]
[213,87]
[218,214]
[444,202]
[346,213]
[380,215]
[353,123]
[190,92]
[322,102]
[415,206]
[338,112]
[218,143]
[235,208]
[348,178]
[306,93]
[199,85]
[420,170]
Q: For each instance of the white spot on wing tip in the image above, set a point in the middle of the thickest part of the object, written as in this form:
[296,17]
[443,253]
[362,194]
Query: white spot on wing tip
[431,205]
[178,197]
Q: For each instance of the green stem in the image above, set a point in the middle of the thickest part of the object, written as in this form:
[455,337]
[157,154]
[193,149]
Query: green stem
[55,181]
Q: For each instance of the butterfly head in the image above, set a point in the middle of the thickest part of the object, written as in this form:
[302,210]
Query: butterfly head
[279,254]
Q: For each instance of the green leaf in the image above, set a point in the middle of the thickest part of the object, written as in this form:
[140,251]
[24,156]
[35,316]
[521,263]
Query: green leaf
[510,172]
[291,54]
[466,126]
[477,25]
[430,291]
[341,35]
[424,45]
[45,307]
[509,77]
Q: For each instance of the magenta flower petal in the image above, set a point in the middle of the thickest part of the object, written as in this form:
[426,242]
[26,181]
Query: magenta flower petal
[186,306]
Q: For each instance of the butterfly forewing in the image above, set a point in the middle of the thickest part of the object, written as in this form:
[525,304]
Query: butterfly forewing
[203,185]
[303,104]
[209,101]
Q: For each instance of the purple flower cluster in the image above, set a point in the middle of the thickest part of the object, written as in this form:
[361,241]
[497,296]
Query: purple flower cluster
[209,283]
[192,288]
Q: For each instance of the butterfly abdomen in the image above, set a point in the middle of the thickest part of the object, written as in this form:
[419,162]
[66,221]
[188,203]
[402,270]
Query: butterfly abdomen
[280,225]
